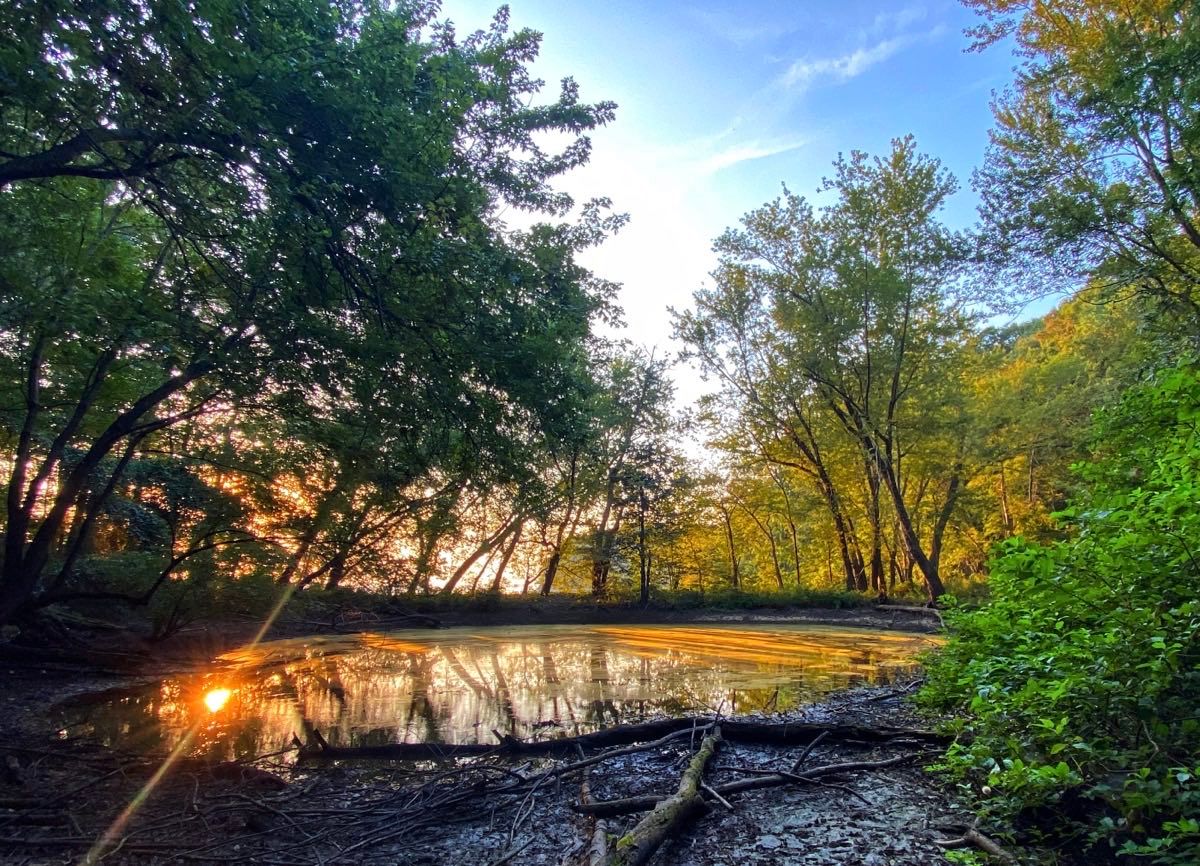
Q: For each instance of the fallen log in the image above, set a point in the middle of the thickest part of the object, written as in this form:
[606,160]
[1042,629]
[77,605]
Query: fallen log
[799,734]
[972,837]
[638,845]
[765,733]
[398,752]
[597,847]
[629,805]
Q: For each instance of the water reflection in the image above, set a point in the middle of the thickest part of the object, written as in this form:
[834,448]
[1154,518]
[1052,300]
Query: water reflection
[461,685]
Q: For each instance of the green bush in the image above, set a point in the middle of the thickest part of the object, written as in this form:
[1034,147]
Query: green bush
[1080,679]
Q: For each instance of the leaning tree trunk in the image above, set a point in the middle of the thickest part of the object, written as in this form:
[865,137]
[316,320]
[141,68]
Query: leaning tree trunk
[508,554]
[933,582]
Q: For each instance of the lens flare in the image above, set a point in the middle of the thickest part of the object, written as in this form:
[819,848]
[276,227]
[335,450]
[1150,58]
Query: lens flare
[110,839]
[216,699]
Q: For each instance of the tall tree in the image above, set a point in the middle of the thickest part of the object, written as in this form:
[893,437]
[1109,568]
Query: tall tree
[854,308]
[1094,166]
[289,204]
[634,420]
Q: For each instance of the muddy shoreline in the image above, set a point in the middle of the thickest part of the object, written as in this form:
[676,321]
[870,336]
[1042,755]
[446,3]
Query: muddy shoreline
[399,812]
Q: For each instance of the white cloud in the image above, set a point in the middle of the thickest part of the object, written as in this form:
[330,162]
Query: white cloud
[738,30]
[803,73]
[899,20]
[744,152]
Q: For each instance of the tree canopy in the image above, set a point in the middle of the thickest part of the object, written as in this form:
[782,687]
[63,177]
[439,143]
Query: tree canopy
[289,213]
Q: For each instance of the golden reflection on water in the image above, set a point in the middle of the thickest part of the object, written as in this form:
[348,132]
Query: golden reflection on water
[459,685]
[216,699]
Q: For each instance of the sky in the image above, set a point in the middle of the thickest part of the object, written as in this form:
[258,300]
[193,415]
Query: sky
[720,104]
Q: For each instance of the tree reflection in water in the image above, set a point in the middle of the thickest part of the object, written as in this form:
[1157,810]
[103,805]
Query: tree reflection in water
[458,685]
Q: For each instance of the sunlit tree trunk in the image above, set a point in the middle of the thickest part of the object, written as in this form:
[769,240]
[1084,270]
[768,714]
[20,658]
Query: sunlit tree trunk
[735,578]
[498,581]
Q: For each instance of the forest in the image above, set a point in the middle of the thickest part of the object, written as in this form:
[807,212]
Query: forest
[290,306]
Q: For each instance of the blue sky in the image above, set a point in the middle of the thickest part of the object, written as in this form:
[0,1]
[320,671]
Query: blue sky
[721,103]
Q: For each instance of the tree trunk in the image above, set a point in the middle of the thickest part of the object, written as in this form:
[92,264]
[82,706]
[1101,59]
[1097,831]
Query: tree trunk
[877,585]
[319,522]
[734,575]
[1005,513]
[22,573]
[943,518]
[486,547]
[508,553]
[933,583]
[766,531]
[570,518]
[643,553]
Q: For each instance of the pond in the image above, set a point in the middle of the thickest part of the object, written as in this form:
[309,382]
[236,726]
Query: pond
[460,685]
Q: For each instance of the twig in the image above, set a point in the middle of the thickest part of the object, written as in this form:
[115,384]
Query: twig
[808,751]
[896,693]
[708,789]
[512,852]
[972,837]
[768,779]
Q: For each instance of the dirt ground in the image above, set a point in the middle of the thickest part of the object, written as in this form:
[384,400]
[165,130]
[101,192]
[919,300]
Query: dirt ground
[65,799]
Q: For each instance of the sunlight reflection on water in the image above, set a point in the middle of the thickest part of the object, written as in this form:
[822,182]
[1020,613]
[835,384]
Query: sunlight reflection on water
[459,685]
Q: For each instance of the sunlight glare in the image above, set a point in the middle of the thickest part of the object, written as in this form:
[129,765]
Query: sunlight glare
[216,699]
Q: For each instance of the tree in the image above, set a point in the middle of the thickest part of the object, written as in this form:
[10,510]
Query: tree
[1094,166]
[294,206]
[1080,676]
[634,419]
[840,318]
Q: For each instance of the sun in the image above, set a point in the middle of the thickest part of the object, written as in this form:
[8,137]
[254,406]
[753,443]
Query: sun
[216,699]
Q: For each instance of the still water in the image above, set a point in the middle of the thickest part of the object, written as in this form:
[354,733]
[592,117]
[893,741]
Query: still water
[459,685]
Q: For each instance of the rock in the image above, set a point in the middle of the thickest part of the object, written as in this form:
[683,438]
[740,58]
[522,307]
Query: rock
[770,842]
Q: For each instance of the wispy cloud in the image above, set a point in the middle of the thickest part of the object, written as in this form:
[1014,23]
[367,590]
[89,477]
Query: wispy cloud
[745,152]
[739,30]
[898,20]
[805,72]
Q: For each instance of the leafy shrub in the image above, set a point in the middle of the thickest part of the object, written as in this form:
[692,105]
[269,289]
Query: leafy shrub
[1080,680]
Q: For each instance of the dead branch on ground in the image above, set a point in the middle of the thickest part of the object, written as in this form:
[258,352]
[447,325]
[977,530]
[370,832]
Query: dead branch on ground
[638,845]
[628,805]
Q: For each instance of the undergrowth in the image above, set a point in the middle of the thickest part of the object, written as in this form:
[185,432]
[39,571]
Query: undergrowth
[1078,684]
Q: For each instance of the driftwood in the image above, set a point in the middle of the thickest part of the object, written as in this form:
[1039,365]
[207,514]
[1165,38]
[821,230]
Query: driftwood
[621,751]
[897,693]
[972,837]
[629,805]
[597,848]
[639,844]
[766,733]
